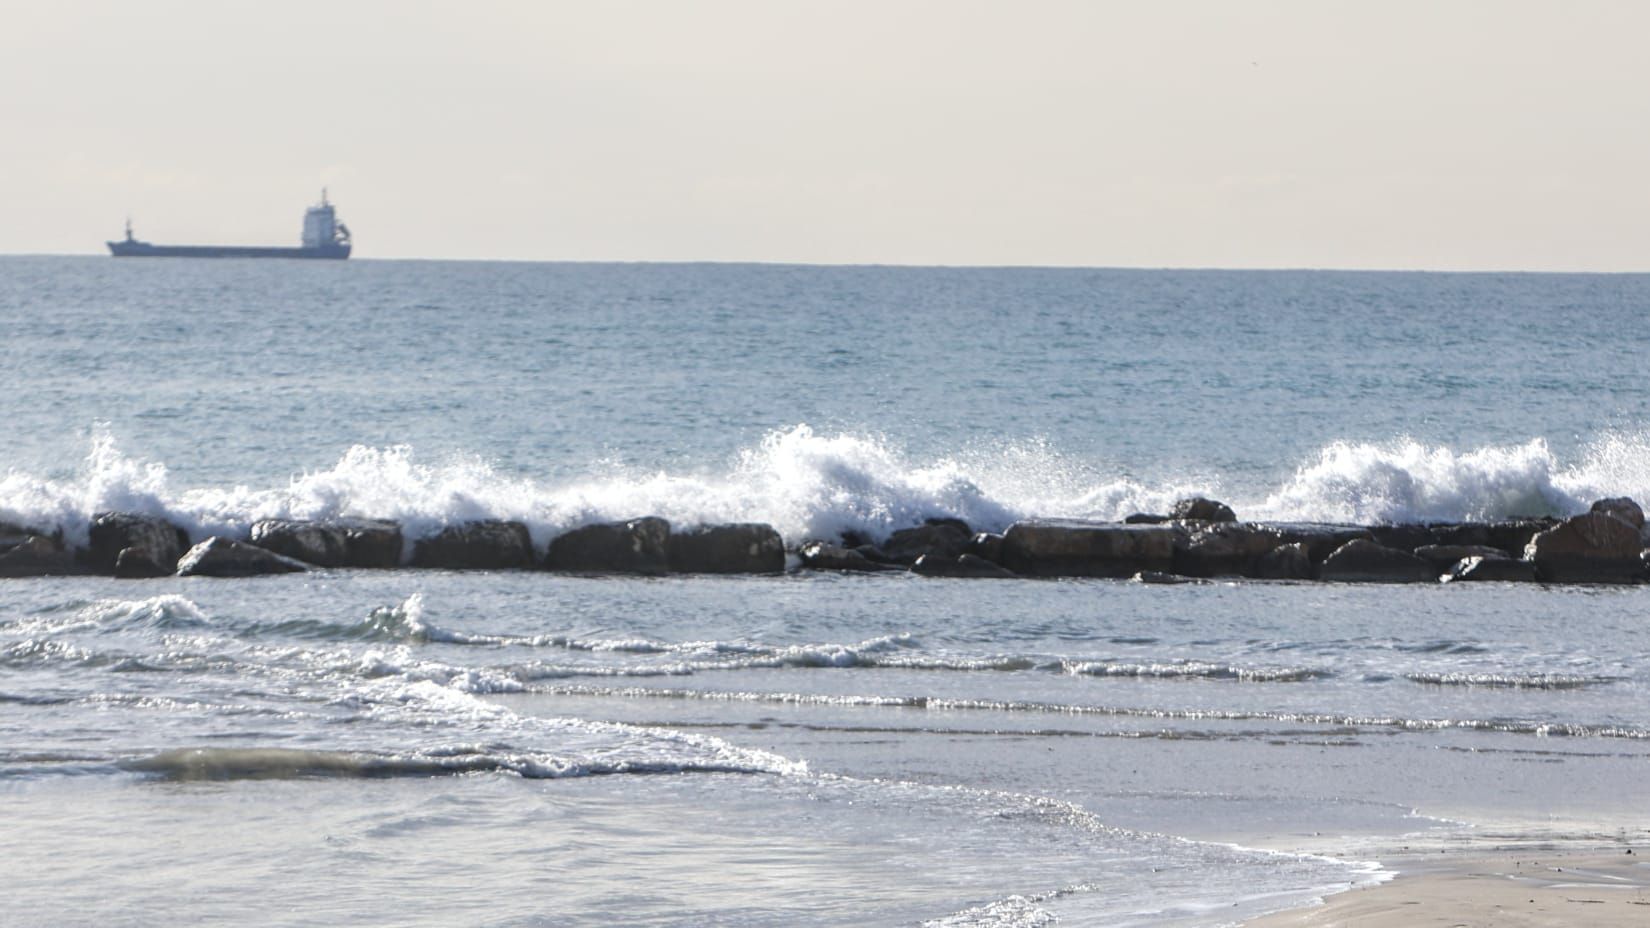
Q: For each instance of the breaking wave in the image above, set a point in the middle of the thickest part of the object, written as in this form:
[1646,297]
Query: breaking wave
[1521,681]
[941,704]
[189,764]
[812,485]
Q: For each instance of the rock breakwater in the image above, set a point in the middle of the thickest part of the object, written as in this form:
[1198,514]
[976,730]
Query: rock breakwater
[1608,544]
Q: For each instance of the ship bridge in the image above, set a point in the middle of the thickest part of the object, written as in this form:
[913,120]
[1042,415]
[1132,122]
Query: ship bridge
[321,225]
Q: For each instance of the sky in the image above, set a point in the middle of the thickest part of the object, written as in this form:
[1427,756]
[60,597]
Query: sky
[1448,135]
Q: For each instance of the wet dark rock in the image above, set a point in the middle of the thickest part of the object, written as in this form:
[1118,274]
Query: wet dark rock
[12,535]
[1285,562]
[149,545]
[1590,548]
[1072,548]
[139,564]
[1510,535]
[224,557]
[740,548]
[1408,536]
[1146,518]
[965,566]
[1622,508]
[1224,549]
[1202,509]
[873,553]
[821,556]
[34,555]
[1444,557]
[332,543]
[945,538]
[1405,536]
[486,544]
[854,538]
[988,545]
[1320,538]
[1364,561]
[635,546]
[1503,569]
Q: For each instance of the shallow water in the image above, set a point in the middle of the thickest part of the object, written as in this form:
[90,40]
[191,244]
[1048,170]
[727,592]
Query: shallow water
[525,748]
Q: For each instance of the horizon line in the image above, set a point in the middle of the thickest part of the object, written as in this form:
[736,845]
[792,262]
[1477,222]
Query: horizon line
[1327,269]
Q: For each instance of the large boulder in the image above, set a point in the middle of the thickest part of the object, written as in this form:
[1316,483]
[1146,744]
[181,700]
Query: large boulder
[635,546]
[1074,548]
[12,534]
[1202,509]
[1503,569]
[332,543]
[487,544]
[224,557]
[1507,534]
[1364,561]
[965,566]
[945,538]
[128,544]
[1590,548]
[1622,508]
[819,555]
[1222,549]
[1444,557]
[1320,538]
[740,548]
[1405,536]
[27,553]
[1285,562]
[988,545]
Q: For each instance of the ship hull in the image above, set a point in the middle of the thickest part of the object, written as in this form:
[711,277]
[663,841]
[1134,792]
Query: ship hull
[146,250]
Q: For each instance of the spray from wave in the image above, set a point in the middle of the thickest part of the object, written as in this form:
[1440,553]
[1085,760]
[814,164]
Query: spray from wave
[811,485]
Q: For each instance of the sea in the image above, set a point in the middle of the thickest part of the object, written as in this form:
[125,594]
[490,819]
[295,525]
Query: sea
[354,747]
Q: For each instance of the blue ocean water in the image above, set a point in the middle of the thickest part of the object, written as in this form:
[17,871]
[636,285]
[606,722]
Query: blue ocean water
[526,748]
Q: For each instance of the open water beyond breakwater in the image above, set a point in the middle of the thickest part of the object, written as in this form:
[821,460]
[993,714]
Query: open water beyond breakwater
[440,747]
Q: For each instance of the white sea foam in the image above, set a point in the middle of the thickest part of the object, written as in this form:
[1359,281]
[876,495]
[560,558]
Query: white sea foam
[811,485]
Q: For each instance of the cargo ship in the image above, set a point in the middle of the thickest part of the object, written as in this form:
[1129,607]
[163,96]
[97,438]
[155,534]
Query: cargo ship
[324,237]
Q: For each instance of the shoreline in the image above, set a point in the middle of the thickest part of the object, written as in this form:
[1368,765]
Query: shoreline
[1535,887]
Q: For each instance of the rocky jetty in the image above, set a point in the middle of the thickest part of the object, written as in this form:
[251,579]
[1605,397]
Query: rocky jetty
[1607,544]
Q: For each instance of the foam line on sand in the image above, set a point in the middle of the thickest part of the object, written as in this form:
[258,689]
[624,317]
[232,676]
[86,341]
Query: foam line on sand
[1523,889]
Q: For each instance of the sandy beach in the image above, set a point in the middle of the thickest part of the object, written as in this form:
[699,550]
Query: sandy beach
[1518,889]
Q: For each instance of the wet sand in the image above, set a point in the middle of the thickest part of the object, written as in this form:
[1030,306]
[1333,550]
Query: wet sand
[1516,889]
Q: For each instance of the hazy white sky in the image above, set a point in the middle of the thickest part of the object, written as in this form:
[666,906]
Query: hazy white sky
[1496,134]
